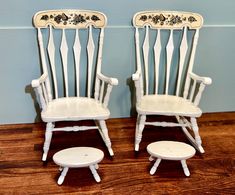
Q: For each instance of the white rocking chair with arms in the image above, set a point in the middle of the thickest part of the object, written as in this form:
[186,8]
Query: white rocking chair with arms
[80,33]
[164,81]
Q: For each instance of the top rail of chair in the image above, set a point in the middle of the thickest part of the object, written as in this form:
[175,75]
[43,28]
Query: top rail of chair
[69,18]
[167,19]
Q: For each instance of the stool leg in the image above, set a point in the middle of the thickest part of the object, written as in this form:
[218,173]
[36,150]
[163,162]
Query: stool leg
[151,158]
[154,168]
[185,168]
[62,175]
[94,173]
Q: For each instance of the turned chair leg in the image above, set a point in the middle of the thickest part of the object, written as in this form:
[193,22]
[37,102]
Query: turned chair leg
[94,173]
[105,136]
[139,131]
[47,142]
[198,140]
[62,175]
[154,168]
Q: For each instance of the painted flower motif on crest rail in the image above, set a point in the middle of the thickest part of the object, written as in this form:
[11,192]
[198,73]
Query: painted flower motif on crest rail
[169,19]
[71,19]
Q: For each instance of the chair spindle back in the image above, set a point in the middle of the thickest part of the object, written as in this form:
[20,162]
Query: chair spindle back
[165,49]
[55,29]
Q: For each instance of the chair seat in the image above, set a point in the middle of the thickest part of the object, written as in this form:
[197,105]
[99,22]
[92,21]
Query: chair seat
[167,105]
[74,108]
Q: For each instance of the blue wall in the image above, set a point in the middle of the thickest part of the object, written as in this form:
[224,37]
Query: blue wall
[19,62]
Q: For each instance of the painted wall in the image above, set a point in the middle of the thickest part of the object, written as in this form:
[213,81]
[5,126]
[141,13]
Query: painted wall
[19,62]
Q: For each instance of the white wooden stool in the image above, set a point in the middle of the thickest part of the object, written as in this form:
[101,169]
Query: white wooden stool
[78,157]
[170,150]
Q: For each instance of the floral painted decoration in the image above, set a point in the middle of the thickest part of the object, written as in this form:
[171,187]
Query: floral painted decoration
[170,19]
[70,19]
[167,19]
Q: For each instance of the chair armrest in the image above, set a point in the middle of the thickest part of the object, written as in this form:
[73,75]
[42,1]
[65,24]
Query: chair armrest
[102,92]
[41,90]
[205,80]
[109,80]
[136,76]
[37,82]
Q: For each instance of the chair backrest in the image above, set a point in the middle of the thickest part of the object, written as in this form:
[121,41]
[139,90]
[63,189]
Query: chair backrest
[166,43]
[70,44]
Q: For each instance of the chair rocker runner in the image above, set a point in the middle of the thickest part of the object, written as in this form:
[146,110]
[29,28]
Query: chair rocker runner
[165,84]
[70,35]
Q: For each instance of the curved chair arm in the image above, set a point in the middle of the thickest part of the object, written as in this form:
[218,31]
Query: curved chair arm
[196,92]
[37,82]
[103,88]
[136,77]
[205,80]
[109,80]
[41,90]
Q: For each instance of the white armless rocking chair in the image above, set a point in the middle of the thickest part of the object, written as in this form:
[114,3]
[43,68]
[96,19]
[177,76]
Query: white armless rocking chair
[79,33]
[166,43]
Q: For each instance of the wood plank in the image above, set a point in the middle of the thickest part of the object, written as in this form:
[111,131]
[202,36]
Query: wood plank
[23,172]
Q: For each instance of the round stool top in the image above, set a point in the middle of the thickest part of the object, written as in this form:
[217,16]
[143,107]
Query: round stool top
[170,150]
[78,157]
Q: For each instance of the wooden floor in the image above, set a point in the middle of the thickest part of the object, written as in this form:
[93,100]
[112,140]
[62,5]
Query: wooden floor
[22,171]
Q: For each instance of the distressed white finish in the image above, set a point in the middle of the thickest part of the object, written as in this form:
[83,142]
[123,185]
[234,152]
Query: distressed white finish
[57,107]
[182,89]
[170,150]
[78,157]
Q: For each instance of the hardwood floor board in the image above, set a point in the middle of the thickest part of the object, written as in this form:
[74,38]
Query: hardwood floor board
[23,172]
[24,156]
[18,127]
[217,116]
[21,131]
